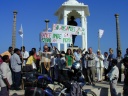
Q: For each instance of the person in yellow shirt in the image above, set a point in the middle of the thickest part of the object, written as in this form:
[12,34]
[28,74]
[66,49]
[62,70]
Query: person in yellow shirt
[37,58]
[9,52]
[31,60]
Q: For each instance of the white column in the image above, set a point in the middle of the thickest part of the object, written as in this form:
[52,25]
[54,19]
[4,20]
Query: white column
[86,33]
[65,23]
[83,36]
[58,44]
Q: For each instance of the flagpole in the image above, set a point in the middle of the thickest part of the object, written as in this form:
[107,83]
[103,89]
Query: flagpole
[21,34]
[98,41]
[22,47]
[22,64]
[40,40]
[21,29]
[40,45]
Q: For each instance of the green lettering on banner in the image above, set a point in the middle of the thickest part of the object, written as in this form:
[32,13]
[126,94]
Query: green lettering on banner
[71,28]
[57,27]
[46,40]
[63,28]
[57,36]
[66,40]
[68,28]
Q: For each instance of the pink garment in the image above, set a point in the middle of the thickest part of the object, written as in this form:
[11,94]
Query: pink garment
[36,57]
[1,61]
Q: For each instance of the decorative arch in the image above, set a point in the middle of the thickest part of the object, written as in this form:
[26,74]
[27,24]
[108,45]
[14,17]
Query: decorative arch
[74,13]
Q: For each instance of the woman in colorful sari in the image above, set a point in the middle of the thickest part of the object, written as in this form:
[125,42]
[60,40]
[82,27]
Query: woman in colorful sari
[69,58]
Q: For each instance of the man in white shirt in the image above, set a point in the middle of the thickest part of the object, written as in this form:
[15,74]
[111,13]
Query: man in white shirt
[113,76]
[90,58]
[16,69]
[46,59]
[99,65]
[25,54]
[78,54]
[5,76]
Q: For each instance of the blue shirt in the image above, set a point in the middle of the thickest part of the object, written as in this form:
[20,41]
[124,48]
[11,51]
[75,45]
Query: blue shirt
[15,63]
[77,56]
[111,56]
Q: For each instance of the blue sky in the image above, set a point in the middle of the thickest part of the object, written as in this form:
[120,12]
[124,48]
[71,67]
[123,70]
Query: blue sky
[32,13]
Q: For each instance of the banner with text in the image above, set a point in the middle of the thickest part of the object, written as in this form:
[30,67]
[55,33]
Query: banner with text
[75,30]
[56,37]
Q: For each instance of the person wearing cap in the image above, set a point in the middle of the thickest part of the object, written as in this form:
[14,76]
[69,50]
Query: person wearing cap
[73,23]
[99,65]
[113,78]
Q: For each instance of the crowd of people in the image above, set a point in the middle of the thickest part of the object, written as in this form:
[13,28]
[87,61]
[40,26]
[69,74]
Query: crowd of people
[51,61]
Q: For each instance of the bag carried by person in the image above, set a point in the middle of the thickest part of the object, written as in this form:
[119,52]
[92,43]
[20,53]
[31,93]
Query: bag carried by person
[33,65]
[29,67]
[76,89]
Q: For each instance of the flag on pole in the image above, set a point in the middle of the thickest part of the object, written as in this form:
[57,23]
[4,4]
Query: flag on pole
[101,32]
[21,31]
[47,29]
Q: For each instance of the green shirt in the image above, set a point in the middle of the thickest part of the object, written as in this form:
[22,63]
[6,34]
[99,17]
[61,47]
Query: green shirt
[69,59]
